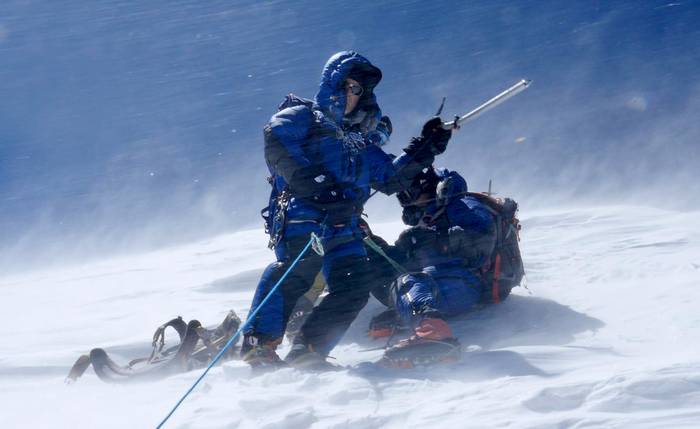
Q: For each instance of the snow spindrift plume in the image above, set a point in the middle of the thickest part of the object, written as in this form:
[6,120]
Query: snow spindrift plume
[132,174]
[594,340]
[134,125]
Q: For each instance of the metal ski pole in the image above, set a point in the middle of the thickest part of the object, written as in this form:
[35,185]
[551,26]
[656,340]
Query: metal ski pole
[495,101]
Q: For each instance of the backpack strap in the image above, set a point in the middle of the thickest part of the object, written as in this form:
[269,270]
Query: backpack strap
[159,336]
[495,291]
[292,100]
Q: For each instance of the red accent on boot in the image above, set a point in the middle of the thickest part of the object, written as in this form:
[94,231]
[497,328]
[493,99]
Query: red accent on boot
[433,329]
[495,293]
[380,332]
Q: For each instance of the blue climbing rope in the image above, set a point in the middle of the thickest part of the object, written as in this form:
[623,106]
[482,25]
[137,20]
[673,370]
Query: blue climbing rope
[230,342]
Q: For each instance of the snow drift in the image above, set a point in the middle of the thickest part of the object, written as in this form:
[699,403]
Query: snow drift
[605,335]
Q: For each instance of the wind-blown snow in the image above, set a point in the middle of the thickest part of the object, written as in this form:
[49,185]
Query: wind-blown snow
[605,335]
[127,125]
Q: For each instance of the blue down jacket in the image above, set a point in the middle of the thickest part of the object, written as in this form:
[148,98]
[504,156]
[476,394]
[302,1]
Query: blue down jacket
[312,148]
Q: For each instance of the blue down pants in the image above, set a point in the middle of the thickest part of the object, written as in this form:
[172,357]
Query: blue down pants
[271,321]
[348,275]
[446,292]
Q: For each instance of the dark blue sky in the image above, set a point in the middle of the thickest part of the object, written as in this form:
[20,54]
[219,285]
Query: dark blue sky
[128,122]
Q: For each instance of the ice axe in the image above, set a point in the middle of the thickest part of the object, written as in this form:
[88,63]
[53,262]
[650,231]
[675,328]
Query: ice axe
[495,101]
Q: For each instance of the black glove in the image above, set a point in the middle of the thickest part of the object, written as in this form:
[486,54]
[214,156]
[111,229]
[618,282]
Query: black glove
[432,141]
[435,136]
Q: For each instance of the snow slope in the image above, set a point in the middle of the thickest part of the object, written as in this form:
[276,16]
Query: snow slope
[605,336]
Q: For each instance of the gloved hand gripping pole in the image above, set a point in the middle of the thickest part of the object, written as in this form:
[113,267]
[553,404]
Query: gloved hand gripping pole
[493,102]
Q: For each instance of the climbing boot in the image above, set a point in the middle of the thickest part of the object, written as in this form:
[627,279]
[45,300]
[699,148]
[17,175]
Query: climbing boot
[431,344]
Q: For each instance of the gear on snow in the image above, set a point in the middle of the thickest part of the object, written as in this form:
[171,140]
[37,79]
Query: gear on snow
[197,347]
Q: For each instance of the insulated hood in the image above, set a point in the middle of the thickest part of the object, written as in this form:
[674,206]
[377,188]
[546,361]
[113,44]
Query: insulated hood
[331,94]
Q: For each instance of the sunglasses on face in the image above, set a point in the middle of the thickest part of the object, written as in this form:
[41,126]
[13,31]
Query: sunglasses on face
[355,89]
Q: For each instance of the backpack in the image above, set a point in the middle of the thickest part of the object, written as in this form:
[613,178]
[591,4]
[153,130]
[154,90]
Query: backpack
[504,270]
[273,214]
[292,100]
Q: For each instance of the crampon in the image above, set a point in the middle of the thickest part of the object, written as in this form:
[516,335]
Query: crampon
[432,344]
